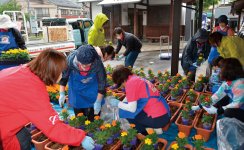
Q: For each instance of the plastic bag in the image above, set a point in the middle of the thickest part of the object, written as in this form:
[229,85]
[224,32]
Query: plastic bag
[109,113]
[230,133]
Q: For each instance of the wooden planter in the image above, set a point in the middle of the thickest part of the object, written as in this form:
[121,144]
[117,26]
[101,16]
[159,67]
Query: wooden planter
[162,143]
[194,103]
[178,99]
[39,140]
[174,115]
[187,146]
[205,133]
[186,128]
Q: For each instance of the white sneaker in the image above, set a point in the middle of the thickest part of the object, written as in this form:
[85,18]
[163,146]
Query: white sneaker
[158,130]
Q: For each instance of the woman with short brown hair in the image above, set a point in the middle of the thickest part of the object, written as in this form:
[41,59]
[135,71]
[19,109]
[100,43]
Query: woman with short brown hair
[24,99]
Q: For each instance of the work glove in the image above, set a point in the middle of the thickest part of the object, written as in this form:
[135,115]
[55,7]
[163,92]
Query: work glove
[97,106]
[114,102]
[61,99]
[88,143]
[120,57]
[194,108]
[211,110]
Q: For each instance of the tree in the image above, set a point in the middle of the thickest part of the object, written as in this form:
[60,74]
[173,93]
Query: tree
[11,5]
[207,3]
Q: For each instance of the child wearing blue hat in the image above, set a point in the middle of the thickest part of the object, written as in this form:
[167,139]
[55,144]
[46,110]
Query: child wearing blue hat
[86,78]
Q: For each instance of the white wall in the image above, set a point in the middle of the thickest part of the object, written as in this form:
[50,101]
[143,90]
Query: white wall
[183,14]
[124,14]
[95,9]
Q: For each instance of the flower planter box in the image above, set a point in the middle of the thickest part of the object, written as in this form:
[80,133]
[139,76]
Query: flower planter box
[174,110]
[186,128]
[198,126]
[119,146]
[39,140]
[162,143]
[196,99]
[187,146]
[178,99]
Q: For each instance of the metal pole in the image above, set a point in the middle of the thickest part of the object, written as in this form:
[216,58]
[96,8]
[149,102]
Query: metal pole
[176,36]
[28,3]
[111,28]
[199,24]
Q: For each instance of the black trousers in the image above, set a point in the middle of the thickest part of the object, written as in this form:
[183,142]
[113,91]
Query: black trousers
[89,112]
[230,112]
[24,138]
[142,121]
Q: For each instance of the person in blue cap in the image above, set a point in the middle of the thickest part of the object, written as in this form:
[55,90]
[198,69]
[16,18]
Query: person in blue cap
[86,79]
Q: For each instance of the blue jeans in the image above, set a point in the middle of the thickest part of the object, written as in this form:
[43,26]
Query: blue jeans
[131,58]
[24,138]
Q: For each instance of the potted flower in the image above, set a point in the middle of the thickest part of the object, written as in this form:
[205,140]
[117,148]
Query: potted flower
[109,81]
[100,138]
[198,86]
[185,83]
[150,141]
[205,100]
[207,120]
[115,129]
[175,80]
[174,93]
[191,95]
[203,79]
[199,59]
[141,73]
[181,143]
[80,118]
[151,76]
[91,127]
[53,92]
[160,77]
[109,69]
[198,142]
[128,138]
[73,121]
[64,115]
[166,76]
[13,57]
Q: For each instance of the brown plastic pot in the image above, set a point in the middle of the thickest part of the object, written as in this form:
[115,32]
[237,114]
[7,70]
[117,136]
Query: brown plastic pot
[188,146]
[185,128]
[39,145]
[205,133]
[173,116]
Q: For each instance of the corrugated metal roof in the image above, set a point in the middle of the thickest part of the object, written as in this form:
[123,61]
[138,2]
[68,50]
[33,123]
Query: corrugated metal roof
[65,3]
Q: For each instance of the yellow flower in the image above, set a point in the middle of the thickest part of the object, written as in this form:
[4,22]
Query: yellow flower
[124,133]
[80,114]
[175,146]
[191,90]
[72,117]
[64,110]
[107,125]
[87,122]
[148,141]
[198,137]
[96,117]
[200,58]
[181,135]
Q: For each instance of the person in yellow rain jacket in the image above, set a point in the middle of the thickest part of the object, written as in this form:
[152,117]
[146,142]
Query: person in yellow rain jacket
[228,46]
[96,34]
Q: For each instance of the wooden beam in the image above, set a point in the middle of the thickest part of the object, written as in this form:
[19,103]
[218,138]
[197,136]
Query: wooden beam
[199,22]
[176,36]
[135,21]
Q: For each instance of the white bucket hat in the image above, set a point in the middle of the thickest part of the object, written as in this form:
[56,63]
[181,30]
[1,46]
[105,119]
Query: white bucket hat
[6,23]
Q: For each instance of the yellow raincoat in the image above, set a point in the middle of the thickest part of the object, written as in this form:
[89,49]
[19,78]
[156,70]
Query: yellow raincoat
[96,34]
[232,46]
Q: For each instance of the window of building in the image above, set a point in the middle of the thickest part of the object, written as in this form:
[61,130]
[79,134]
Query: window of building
[64,12]
[42,12]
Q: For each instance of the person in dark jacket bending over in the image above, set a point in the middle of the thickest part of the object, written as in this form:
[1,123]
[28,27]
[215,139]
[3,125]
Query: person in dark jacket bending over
[10,37]
[197,45]
[86,79]
[131,43]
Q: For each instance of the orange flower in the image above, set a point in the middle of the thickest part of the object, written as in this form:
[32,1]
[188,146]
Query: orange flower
[96,117]
[181,135]
[57,96]
[80,114]
[64,110]
[180,81]
[150,131]
[198,137]
[159,71]
[132,125]
[114,123]
[168,80]
[207,99]
[178,75]
[102,127]
[66,147]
